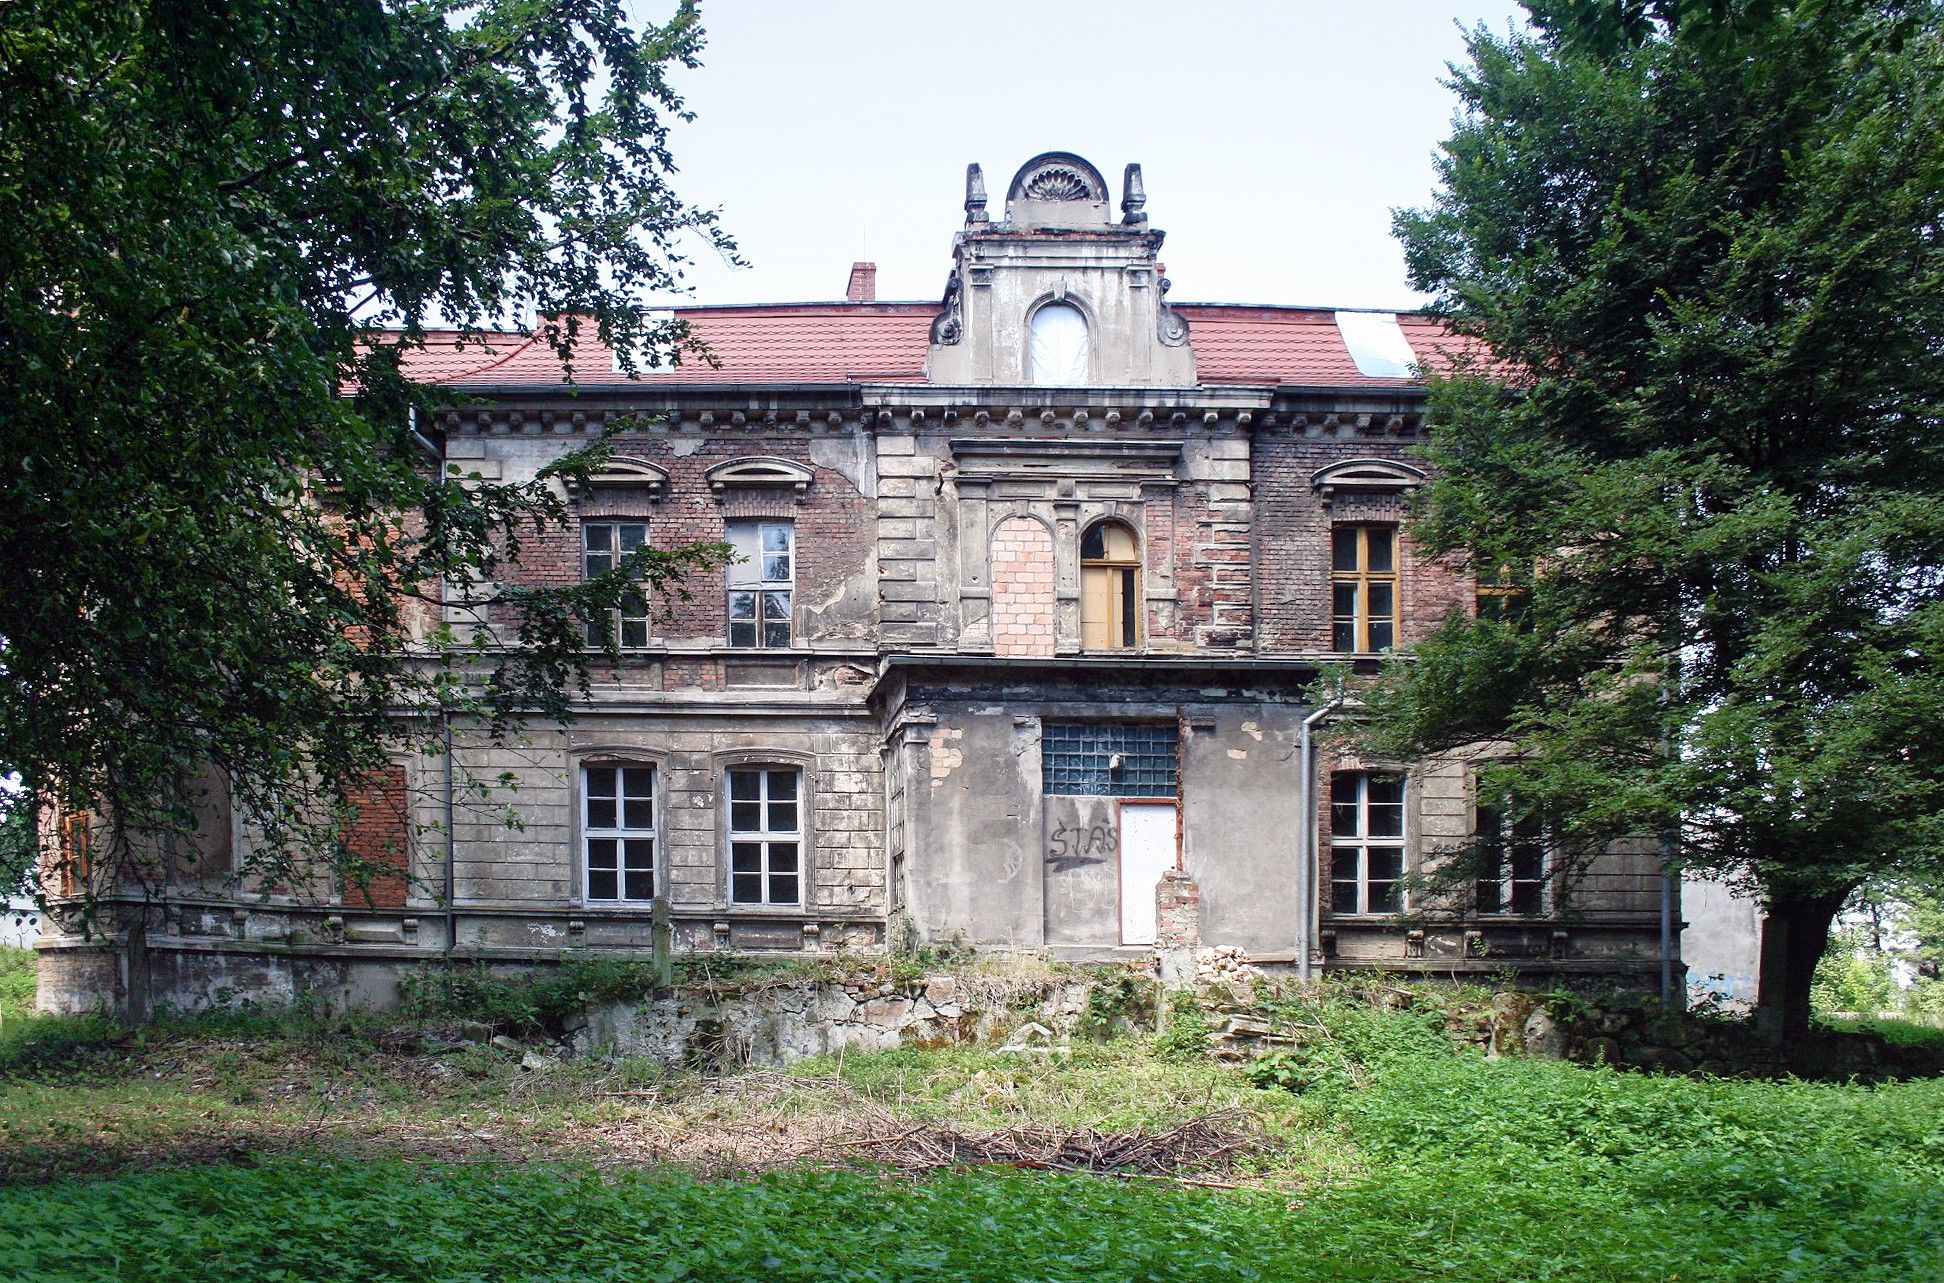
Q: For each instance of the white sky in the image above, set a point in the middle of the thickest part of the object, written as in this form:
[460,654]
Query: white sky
[1275,136]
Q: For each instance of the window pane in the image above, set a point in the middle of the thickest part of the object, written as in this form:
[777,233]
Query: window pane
[1382,605]
[1128,633]
[1343,897]
[634,634]
[745,817]
[1489,896]
[776,567]
[1381,637]
[1385,788]
[746,857]
[1343,819]
[594,538]
[1386,897]
[600,813]
[1344,863]
[1343,545]
[776,538]
[776,605]
[782,817]
[742,635]
[1528,862]
[783,857]
[603,884]
[600,781]
[601,853]
[1382,542]
[1093,544]
[782,785]
[640,813]
[1343,637]
[1343,600]
[632,536]
[745,785]
[596,563]
[1386,820]
[742,605]
[1485,822]
[746,888]
[783,889]
[1386,864]
[638,853]
[1528,898]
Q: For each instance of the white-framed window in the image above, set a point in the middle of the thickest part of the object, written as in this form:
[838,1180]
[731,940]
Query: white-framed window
[766,835]
[603,544]
[761,583]
[1514,873]
[1367,842]
[618,833]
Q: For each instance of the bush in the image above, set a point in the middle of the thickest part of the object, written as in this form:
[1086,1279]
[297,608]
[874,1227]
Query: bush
[17,983]
[525,1002]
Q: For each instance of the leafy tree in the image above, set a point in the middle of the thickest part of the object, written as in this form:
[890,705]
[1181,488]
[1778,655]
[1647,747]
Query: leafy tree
[1704,245]
[226,227]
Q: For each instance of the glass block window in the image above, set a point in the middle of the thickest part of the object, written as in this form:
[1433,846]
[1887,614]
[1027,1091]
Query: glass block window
[1095,759]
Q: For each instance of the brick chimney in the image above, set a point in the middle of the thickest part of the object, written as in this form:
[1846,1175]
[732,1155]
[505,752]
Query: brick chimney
[863,283]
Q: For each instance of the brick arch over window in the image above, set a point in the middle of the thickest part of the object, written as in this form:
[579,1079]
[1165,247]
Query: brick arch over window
[1022,588]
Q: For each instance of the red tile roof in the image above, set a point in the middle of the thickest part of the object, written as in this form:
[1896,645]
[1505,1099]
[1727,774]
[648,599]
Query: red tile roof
[887,343]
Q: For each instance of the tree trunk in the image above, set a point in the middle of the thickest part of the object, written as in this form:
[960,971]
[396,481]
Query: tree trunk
[1795,931]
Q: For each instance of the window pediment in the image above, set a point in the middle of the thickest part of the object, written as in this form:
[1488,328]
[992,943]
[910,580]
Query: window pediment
[1366,476]
[759,472]
[625,474]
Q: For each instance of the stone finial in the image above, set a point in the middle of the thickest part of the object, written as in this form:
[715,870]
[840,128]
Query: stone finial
[975,195]
[1133,197]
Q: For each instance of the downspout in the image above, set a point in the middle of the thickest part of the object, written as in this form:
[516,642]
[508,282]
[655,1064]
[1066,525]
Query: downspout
[1306,860]
[451,917]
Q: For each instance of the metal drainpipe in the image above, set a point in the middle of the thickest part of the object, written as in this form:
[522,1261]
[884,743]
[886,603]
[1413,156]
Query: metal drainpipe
[451,916]
[1306,862]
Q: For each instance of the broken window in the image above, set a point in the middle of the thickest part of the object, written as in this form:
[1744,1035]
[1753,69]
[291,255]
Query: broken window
[603,545]
[1099,759]
[761,579]
[618,831]
[766,835]
[1110,570]
[1363,587]
[1367,842]
[1514,862]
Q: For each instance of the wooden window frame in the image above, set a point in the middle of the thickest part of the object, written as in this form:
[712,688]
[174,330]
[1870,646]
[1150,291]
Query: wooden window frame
[772,602]
[626,628]
[1362,580]
[1124,586]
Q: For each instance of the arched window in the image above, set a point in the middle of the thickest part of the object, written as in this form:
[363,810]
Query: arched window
[1058,347]
[1110,571]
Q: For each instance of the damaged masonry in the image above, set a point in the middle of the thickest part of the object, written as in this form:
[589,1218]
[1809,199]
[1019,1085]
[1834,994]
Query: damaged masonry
[1033,586]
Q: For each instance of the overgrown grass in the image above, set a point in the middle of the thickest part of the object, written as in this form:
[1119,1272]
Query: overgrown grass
[1390,1156]
[1898,1033]
[17,984]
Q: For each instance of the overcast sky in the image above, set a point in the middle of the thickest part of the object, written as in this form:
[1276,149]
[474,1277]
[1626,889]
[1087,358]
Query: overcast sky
[1275,136]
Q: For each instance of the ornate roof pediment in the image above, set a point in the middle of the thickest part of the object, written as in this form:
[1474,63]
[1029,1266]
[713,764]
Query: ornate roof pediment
[757,471]
[1367,476]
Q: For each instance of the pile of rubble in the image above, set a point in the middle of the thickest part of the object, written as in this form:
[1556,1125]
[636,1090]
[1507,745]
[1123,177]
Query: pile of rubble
[1228,964]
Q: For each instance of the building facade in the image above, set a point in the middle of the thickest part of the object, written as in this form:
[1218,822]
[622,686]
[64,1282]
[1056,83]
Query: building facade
[1034,585]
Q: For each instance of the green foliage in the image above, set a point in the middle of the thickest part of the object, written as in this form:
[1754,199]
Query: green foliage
[1184,1033]
[1854,978]
[1119,1003]
[1341,1038]
[522,1001]
[228,225]
[1699,243]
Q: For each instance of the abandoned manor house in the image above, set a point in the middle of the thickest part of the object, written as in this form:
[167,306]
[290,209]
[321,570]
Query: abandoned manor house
[1020,652]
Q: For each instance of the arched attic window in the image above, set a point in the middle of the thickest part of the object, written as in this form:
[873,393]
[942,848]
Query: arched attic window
[1058,347]
[1110,584]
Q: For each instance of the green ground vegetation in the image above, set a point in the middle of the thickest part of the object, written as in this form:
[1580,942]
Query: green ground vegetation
[1376,1150]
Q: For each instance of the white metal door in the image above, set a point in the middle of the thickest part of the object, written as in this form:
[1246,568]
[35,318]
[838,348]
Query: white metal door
[1147,850]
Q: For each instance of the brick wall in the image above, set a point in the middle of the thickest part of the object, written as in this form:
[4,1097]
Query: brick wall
[1022,588]
[379,837]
